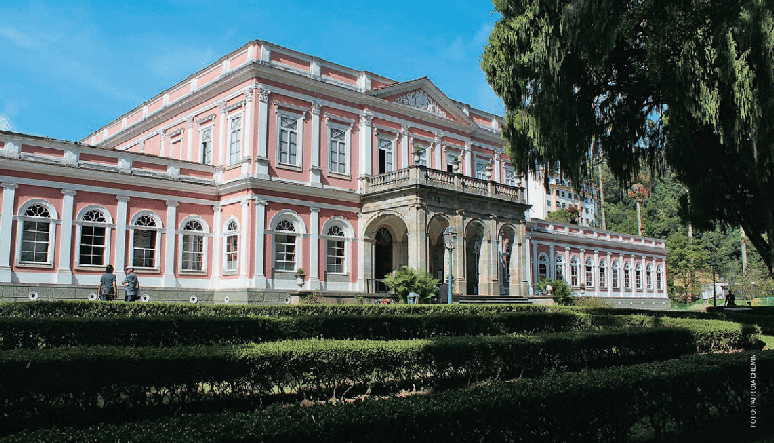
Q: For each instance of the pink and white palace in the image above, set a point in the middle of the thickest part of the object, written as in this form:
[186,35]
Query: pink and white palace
[270,163]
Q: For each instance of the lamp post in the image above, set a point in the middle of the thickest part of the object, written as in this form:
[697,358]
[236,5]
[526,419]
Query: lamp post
[714,294]
[450,239]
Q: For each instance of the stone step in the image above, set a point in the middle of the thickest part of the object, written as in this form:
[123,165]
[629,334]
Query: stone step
[493,299]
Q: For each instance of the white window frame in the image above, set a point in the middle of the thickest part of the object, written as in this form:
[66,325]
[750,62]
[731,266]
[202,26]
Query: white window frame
[627,276]
[422,151]
[299,119]
[204,235]
[603,274]
[480,168]
[299,233]
[80,223]
[203,157]
[638,276]
[235,155]
[509,175]
[616,277]
[649,277]
[542,266]
[388,166]
[158,228]
[53,220]
[228,233]
[559,267]
[574,271]
[347,147]
[659,277]
[589,273]
[348,237]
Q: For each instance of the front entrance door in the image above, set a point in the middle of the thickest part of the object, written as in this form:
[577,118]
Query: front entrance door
[382,257]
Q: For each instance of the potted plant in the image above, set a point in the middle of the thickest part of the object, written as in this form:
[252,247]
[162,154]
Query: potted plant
[300,276]
[455,161]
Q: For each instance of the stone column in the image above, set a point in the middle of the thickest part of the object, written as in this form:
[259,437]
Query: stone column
[162,142]
[551,263]
[247,145]
[64,274]
[596,273]
[217,248]
[534,258]
[315,171]
[489,284]
[189,139]
[417,236]
[524,259]
[260,228]
[497,165]
[262,160]
[582,268]
[314,249]
[170,249]
[365,143]
[404,147]
[468,154]
[120,255]
[222,148]
[439,163]
[514,267]
[245,222]
[6,228]
[365,268]
[459,254]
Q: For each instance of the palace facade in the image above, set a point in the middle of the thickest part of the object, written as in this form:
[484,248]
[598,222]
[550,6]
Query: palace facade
[271,163]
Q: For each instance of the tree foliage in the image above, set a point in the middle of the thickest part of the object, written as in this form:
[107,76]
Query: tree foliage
[406,280]
[684,83]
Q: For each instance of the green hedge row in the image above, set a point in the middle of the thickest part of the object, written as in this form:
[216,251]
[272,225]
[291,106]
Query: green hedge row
[174,330]
[67,385]
[598,405]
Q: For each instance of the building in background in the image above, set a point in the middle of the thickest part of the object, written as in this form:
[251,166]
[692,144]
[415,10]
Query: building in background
[561,194]
[269,172]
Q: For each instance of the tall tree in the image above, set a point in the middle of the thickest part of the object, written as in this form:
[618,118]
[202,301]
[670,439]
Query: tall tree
[688,83]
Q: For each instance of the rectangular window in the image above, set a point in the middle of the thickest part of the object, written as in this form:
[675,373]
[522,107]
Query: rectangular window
[288,141]
[206,145]
[338,151]
[144,253]
[235,140]
[92,248]
[232,248]
[589,276]
[34,247]
[385,156]
[193,252]
[336,256]
[285,259]
[602,277]
[616,285]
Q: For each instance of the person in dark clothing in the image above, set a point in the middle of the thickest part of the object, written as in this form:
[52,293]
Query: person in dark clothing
[730,299]
[107,285]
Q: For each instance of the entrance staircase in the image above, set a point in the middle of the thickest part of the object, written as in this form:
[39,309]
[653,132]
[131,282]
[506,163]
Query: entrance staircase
[493,299]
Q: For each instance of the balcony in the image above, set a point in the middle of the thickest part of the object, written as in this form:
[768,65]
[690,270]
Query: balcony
[422,176]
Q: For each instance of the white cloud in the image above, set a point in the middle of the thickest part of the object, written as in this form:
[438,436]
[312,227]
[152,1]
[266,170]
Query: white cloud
[5,124]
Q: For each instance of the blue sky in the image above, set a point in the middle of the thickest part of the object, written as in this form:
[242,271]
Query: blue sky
[70,67]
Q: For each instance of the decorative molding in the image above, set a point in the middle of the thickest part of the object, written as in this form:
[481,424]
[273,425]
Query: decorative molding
[420,100]
[263,94]
[292,107]
[316,108]
[236,105]
[207,118]
[175,133]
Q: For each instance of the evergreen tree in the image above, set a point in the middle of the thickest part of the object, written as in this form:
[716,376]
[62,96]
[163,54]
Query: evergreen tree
[687,83]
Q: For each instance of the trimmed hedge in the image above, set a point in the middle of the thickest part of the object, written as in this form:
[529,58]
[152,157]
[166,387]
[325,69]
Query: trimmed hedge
[73,385]
[599,406]
[38,332]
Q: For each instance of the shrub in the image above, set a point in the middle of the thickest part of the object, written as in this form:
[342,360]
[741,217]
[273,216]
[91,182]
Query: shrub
[406,280]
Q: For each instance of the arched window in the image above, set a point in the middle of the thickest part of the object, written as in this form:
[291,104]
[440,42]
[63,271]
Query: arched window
[192,246]
[231,251]
[627,276]
[144,241]
[615,276]
[559,266]
[335,250]
[589,272]
[659,278]
[574,271]
[37,236]
[542,266]
[93,237]
[638,276]
[649,277]
[602,274]
[285,246]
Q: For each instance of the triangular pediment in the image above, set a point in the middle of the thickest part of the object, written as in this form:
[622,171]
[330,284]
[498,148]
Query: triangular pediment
[422,94]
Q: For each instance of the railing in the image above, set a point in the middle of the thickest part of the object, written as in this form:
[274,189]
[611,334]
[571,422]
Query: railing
[420,175]
[376,286]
